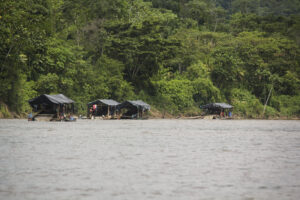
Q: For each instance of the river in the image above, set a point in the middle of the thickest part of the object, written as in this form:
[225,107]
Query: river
[150,159]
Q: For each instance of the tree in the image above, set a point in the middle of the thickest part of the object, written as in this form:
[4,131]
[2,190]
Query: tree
[141,43]
[20,25]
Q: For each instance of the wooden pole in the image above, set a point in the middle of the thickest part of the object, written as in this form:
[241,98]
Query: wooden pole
[107,111]
[267,100]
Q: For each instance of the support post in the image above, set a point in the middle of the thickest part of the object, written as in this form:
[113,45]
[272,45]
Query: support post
[107,111]
[267,100]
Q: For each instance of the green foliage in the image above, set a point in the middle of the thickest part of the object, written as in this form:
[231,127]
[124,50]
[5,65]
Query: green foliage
[180,92]
[174,54]
[271,112]
[228,68]
[256,62]
[25,93]
[4,112]
[244,22]
[287,105]
[245,6]
[204,90]
[245,104]
[204,13]
[111,78]
[47,84]
[142,43]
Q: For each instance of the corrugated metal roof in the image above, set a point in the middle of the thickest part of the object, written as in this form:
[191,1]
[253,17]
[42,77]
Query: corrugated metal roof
[108,102]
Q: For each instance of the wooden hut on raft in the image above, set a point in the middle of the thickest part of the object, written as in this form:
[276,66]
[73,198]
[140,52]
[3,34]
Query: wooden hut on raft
[52,107]
[133,109]
[218,109]
[105,108]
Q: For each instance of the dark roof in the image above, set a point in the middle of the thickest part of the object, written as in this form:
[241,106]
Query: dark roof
[108,102]
[138,103]
[216,105]
[52,99]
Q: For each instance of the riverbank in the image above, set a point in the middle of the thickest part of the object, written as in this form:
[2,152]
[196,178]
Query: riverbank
[154,113]
[158,115]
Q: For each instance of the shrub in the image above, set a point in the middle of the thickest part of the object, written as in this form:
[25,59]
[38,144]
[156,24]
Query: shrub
[178,93]
[289,106]
[245,103]
[4,112]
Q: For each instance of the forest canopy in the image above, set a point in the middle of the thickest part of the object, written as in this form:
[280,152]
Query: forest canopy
[174,54]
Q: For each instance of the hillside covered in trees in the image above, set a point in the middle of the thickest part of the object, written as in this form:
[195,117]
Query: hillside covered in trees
[174,54]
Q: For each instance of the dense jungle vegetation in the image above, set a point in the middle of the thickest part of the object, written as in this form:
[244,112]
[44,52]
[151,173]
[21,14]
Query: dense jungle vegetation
[174,54]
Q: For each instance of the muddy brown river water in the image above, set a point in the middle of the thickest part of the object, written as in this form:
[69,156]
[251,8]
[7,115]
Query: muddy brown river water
[150,159]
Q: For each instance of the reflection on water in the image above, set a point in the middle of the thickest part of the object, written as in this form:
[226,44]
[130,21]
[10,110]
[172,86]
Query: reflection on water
[152,159]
